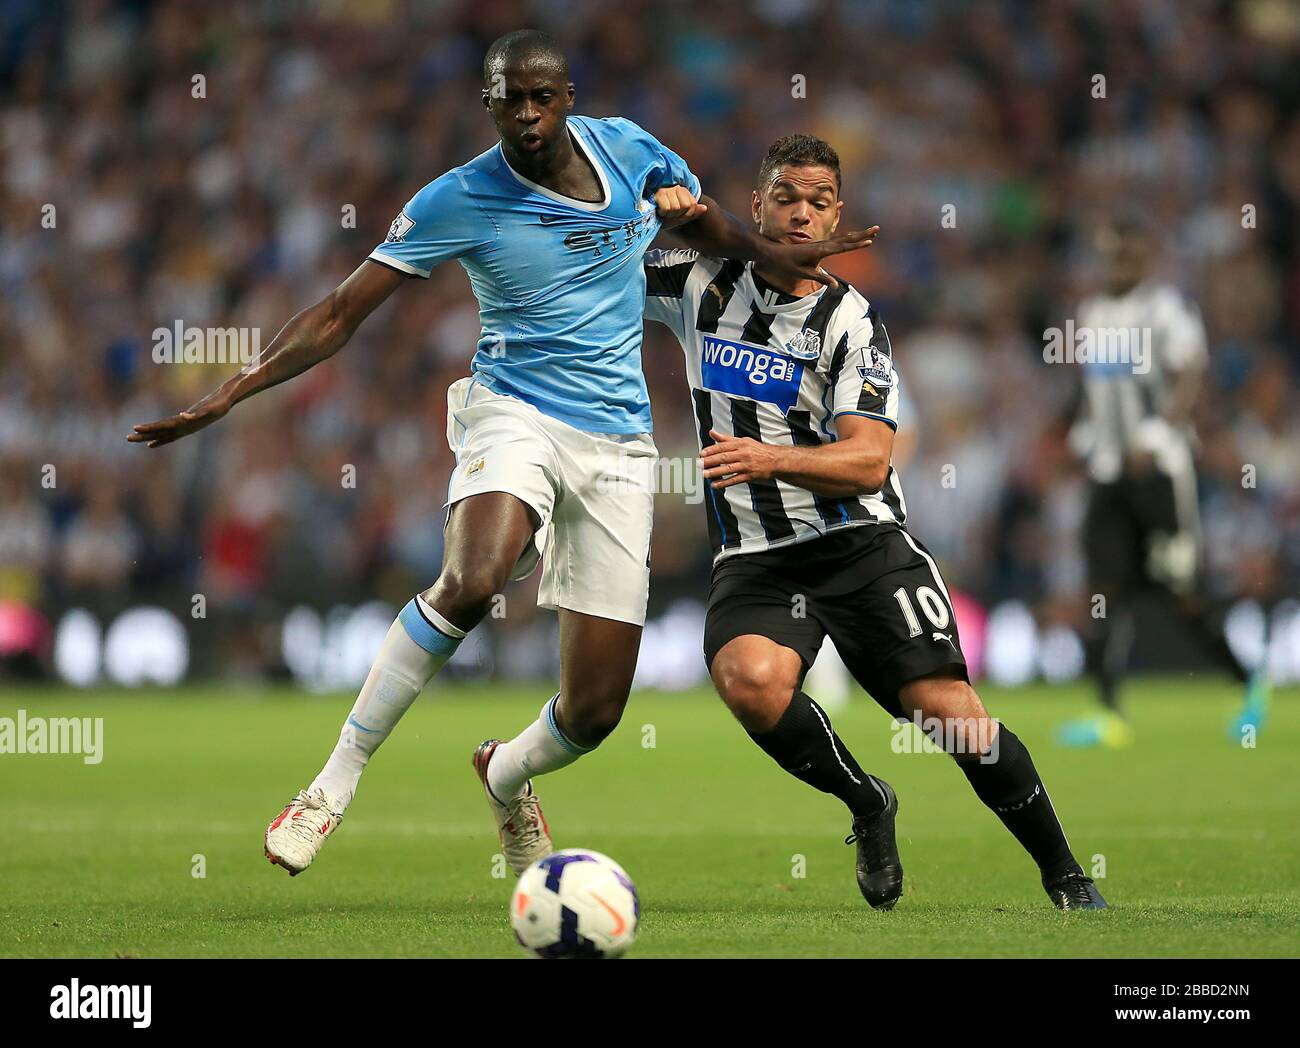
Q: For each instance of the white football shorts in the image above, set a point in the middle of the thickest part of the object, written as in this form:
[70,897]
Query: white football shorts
[594,494]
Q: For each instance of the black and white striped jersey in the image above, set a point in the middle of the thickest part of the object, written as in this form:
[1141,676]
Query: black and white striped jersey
[780,370]
[1138,341]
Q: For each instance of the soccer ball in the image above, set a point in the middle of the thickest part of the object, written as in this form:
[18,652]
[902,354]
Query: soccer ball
[575,903]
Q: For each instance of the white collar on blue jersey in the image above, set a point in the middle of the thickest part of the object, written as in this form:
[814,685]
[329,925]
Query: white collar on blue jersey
[580,143]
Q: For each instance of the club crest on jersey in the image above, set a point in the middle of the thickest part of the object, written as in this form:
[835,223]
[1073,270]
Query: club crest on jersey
[475,468]
[878,374]
[398,230]
[742,370]
[806,345]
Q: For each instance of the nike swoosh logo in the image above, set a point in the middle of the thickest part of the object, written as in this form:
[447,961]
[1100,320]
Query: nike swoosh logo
[551,220]
[619,922]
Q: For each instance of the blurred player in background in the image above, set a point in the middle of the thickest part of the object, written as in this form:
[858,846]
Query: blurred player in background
[551,226]
[796,399]
[1142,529]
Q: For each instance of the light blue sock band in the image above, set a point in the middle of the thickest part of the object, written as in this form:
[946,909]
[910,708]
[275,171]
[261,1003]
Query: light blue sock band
[425,633]
[558,735]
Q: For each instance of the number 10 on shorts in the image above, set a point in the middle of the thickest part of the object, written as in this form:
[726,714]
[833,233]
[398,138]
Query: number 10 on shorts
[931,603]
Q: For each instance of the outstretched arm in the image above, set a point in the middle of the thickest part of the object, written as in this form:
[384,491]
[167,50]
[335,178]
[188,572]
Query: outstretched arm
[704,226]
[315,334]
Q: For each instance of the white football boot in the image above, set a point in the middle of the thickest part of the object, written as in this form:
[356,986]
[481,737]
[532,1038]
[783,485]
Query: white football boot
[301,830]
[525,837]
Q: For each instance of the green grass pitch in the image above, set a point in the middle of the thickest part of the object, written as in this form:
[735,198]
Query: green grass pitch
[1200,838]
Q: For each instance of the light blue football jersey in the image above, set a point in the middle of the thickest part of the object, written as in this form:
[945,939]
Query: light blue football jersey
[559,282]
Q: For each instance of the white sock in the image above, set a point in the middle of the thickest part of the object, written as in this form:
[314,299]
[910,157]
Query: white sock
[418,643]
[539,748]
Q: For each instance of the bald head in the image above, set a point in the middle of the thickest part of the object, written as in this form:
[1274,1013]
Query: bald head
[529,49]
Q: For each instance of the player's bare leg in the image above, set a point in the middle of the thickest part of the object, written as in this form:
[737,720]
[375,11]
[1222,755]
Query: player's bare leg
[1000,770]
[597,664]
[485,537]
[759,680]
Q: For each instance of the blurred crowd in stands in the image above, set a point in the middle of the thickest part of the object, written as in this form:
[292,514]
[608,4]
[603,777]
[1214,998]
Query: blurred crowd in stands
[988,140]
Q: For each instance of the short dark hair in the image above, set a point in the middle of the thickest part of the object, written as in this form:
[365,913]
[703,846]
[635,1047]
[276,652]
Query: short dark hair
[801,151]
[524,45]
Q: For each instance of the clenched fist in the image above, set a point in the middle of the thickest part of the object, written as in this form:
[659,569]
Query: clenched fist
[676,206]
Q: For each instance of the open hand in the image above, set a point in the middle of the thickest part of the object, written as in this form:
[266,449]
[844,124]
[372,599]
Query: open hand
[737,460]
[191,420]
[804,261]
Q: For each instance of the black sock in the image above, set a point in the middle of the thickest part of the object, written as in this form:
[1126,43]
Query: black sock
[1106,653]
[1011,787]
[804,744]
[1207,627]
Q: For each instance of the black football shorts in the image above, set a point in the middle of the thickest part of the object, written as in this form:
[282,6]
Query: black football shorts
[1142,531]
[874,590]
